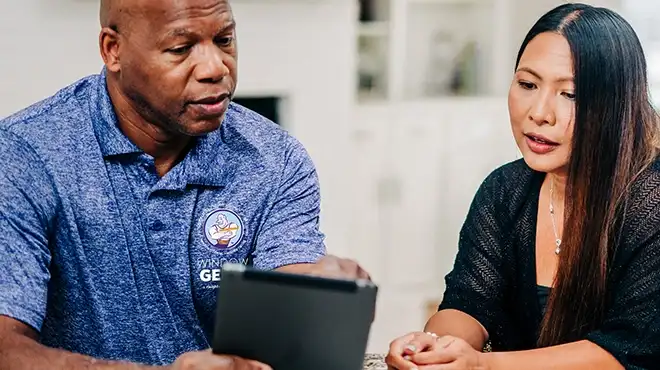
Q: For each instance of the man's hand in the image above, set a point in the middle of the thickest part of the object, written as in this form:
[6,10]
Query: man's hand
[330,267]
[206,360]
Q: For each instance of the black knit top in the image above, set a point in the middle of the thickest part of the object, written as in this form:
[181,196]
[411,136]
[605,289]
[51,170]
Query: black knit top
[494,274]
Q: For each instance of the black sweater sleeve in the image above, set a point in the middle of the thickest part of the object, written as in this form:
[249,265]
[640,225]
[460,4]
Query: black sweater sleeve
[631,329]
[476,283]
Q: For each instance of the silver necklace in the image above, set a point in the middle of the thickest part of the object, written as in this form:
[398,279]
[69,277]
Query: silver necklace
[552,217]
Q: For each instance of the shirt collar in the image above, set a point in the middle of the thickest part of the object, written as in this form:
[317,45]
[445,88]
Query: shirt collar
[112,141]
[203,165]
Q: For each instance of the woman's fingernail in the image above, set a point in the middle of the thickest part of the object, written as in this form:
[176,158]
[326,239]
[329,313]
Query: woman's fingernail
[411,348]
[407,358]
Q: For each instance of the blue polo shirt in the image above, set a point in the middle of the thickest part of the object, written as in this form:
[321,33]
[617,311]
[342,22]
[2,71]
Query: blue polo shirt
[105,258]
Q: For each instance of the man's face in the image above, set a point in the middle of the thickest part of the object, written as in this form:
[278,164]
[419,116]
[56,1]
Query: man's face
[178,63]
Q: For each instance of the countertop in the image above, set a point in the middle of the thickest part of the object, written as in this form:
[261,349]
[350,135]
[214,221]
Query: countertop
[374,362]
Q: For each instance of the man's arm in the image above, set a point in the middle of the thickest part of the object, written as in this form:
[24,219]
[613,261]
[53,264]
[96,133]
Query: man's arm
[20,350]
[328,266]
[289,239]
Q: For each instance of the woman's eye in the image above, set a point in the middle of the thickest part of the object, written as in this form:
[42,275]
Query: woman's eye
[526,85]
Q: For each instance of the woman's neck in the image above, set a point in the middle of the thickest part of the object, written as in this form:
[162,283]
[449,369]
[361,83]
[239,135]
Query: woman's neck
[558,185]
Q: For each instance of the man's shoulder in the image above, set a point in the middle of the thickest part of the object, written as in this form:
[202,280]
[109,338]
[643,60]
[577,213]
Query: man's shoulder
[56,116]
[251,130]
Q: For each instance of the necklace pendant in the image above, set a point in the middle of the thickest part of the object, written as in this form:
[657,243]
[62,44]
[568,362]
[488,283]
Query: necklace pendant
[557,250]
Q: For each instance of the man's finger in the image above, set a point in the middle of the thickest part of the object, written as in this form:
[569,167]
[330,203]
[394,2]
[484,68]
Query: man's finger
[256,365]
[350,267]
[363,274]
[239,363]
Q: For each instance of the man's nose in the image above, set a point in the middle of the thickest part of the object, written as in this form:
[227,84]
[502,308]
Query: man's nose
[211,65]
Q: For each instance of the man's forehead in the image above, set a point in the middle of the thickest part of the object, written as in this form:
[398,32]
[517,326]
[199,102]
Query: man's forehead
[172,10]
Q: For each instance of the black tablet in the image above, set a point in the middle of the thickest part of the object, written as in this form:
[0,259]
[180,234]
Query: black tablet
[293,322]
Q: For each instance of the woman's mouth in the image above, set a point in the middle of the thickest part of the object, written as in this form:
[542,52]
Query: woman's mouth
[540,144]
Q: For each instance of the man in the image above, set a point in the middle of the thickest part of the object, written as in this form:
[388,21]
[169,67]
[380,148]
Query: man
[111,189]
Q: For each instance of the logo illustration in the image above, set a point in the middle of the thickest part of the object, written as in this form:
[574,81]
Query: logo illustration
[223,229]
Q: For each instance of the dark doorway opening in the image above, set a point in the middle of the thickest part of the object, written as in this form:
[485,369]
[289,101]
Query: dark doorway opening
[267,106]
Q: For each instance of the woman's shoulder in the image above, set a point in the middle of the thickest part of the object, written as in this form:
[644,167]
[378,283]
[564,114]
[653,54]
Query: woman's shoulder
[512,173]
[512,177]
[508,185]
[643,206]
[645,189]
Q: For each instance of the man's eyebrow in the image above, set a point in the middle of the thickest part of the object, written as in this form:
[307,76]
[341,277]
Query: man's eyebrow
[178,32]
[184,32]
[228,27]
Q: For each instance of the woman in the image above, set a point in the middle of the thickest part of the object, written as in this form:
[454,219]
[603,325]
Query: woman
[559,257]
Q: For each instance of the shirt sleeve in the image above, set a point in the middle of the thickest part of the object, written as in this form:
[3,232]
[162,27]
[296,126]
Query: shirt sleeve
[290,233]
[26,208]
[631,329]
[476,282]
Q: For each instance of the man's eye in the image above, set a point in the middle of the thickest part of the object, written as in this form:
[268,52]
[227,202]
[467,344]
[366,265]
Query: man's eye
[180,50]
[225,41]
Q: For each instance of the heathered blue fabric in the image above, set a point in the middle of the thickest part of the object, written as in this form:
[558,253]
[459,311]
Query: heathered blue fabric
[105,258]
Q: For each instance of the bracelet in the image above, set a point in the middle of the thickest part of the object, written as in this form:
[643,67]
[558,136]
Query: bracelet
[434,335]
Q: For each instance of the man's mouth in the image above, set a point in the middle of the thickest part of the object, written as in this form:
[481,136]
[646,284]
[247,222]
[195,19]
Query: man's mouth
[211,106]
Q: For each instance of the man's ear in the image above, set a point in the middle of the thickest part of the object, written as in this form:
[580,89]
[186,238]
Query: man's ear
[109,47]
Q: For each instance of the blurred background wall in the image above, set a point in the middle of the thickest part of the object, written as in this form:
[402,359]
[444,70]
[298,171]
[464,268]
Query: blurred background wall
[401,103]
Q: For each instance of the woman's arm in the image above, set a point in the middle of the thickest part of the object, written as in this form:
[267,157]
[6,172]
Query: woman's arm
[582,355]
[458,324]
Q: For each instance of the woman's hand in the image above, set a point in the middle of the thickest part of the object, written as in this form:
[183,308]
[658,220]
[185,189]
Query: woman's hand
[426,351]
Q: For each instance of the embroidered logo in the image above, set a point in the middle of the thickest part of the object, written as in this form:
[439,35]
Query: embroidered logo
[223,229]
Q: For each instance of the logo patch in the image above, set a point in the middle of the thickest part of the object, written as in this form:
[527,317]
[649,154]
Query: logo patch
[223,229]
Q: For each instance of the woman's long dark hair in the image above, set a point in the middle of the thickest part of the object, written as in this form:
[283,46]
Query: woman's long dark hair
[614,139]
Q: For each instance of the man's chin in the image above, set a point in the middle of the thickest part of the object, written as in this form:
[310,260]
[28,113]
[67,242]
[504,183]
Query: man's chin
[202,126]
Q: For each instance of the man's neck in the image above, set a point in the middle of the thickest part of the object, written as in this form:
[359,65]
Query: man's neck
[167,148]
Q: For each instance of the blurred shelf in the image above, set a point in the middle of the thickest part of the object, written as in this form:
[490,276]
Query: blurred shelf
[448,2]
[374,28]
[419,49]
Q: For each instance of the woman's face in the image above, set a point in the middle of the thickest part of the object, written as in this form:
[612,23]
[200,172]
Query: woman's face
[542,103]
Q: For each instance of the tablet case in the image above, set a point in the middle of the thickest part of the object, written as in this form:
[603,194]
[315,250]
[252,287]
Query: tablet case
[293,322]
